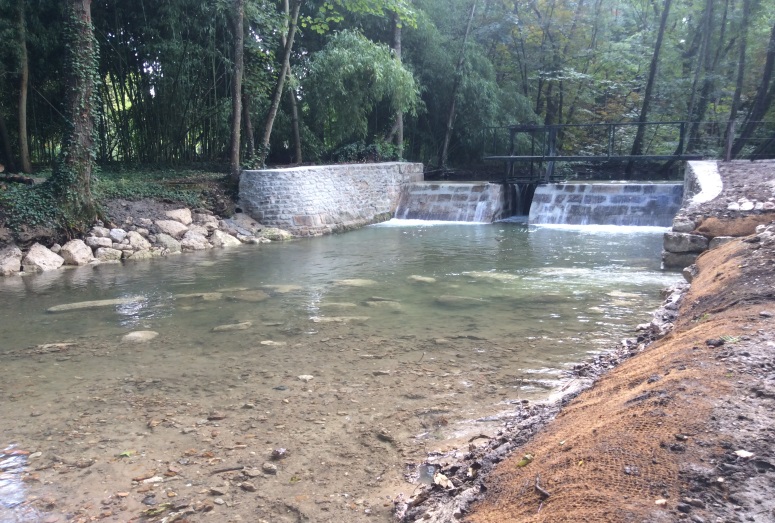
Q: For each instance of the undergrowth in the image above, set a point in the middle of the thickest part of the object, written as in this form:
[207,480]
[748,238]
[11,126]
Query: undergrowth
[36,206]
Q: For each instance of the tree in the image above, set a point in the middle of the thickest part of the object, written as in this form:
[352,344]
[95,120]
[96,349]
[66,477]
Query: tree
[637,145]
[24,77]
[444,154]
[280,84]
[71,179]
[236,92]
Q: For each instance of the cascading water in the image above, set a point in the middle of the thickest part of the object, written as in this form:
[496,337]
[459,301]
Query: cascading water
[653,204]
[455,202]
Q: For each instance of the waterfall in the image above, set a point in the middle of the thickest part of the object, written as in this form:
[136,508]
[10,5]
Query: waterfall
[648,204]
[452,201]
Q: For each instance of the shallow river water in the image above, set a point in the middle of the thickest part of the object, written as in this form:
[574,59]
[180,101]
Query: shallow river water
[357,353]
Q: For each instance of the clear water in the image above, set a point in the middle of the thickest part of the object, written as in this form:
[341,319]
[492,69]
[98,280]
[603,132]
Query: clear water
[411,329]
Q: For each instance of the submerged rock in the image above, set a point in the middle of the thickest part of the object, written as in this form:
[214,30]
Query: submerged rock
[421,279]
[355,282]
[95,304]
[139,336]
[458,301]
[233,327]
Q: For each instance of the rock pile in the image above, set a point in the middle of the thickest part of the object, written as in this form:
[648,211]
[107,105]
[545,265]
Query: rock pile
[142,239]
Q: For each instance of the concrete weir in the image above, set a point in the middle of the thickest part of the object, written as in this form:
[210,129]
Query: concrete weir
[453,201]
[639,204]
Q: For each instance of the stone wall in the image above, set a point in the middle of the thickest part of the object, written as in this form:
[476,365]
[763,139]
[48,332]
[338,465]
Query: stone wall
[682,244]
[316,200]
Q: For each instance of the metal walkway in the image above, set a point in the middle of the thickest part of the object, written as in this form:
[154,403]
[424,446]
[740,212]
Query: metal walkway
[610,142]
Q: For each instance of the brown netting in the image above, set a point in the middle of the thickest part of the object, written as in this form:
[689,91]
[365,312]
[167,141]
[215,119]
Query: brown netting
[621,446]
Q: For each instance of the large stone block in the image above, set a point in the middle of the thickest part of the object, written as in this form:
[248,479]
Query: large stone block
[76,252]
[680,242]
[10,260]
[672,260]
[39,258]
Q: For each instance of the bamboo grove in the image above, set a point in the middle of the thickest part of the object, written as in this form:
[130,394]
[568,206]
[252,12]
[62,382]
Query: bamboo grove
[243,82]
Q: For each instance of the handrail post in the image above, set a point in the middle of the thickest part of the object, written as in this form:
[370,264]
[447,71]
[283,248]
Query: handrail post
[681,138]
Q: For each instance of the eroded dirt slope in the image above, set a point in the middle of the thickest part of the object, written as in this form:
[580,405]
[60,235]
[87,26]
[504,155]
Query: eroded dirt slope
[681,431]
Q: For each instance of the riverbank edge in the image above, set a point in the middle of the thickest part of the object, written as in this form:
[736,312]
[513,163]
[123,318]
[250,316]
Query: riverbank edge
[469,468]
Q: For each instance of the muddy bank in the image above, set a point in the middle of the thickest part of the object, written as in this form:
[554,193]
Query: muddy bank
[681,430]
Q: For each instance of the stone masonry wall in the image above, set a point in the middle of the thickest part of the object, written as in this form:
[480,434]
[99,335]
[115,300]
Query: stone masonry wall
[317,200]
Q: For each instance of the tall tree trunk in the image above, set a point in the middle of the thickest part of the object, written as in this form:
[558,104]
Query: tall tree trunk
[455,86]
[236,90]
[637,145]
[247,123]
[280,84]
[72,177]
[762,101]
[735,105]
[297,158]
[24,77]
[399,121]
[6,143]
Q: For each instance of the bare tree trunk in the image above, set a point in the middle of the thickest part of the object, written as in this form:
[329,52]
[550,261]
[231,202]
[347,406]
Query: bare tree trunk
[740,75]
[72,177]
[236,90]
[247,123]
[292,99]
[762,101]
[278,88]
[6,143]
[455,86]
[24,77]
[397,131]
[637,145]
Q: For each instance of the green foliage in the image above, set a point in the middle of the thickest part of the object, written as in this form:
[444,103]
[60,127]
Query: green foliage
[360,152]
[332,12]
[348,78]
[181,186]
[32,206]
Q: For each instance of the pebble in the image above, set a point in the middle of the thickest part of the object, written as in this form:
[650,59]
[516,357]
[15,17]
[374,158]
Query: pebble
[247,486]
[218,491]
[306,377]
[766,314]
[219,501]
[269,468]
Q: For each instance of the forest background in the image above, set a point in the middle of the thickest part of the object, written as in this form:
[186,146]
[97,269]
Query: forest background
[189,86]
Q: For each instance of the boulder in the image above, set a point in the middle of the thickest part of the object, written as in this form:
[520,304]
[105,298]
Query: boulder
[76,252]
[276,234]
[200,229]
[107,254]
[95,242]
[180,215]
[172,227]
[168,242]
[244,221]
[100,232]
[137,242]
[117,235]
[41,259]
[672,260]
[207,221]
[222,239]
[146,254]
[10,260]
[193,241]
[681,242]
[683,224]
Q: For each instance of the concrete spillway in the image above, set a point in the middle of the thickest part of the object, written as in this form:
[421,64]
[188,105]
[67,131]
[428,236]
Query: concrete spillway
[450,201]
[653,204]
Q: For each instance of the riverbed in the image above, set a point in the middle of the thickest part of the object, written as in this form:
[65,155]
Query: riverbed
[317,370]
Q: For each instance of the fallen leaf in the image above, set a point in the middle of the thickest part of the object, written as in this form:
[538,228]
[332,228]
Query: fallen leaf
[526,460]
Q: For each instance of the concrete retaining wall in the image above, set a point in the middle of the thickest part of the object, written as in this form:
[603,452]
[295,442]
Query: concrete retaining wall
[682,244]
[316,200]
